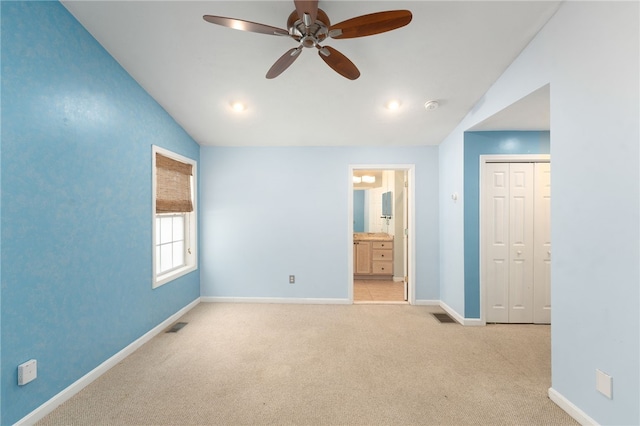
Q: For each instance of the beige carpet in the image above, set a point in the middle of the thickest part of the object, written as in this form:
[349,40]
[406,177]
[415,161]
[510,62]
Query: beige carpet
[261,364]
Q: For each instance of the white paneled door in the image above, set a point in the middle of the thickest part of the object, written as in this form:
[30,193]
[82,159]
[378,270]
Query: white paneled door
[515,242]
[542,245]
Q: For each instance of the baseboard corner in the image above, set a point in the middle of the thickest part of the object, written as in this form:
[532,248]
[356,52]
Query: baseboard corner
[467,322]
[571,409]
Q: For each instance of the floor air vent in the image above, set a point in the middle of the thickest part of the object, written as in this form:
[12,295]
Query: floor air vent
[444,318]
[177,327]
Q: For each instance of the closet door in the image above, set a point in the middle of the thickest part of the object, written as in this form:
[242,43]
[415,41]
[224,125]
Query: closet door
[521,212]
[495,237]
[542,246]
[508,242]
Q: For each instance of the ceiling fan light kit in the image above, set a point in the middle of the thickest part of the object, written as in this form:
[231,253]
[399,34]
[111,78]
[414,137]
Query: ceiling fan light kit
[310,26]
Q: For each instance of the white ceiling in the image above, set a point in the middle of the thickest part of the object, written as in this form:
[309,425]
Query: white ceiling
[451,52]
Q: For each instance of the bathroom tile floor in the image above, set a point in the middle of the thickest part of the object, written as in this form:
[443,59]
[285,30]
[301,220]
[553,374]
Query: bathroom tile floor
[378,291]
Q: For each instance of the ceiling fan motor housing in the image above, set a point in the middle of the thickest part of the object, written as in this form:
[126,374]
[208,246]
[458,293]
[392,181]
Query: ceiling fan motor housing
[309,35]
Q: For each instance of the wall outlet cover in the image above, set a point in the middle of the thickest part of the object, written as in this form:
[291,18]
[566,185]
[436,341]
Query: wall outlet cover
[27,372]
[604,384]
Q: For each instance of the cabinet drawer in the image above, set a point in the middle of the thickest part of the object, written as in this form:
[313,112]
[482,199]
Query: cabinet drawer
[382,255]
[382,268]
[382,244]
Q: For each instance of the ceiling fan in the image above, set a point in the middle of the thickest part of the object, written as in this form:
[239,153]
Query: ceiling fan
[310,26]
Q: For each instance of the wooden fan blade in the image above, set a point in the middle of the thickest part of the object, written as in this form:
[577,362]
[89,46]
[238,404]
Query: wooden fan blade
[284,62]
[239,24]
[373,23]
[308,7]
[340,63]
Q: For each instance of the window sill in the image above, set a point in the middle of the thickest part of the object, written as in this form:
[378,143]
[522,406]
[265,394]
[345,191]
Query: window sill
[170,276]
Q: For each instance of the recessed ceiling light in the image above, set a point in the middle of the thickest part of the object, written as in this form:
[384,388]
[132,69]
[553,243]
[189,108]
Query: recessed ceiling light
[431,105]
[393,104]
[238,106]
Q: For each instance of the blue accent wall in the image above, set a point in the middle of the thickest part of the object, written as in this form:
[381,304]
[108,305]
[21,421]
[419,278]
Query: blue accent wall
[475,145]
[76,205]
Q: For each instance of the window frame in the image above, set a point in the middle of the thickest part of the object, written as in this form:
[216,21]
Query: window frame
[191,223]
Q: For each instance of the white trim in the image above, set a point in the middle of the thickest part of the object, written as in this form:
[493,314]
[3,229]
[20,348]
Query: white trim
[280,300]
[192,218]
[63,396]
[427,302]
[473,322]
[484,159]
[467,322]
[452,312]
[515,158]
[410,169]
[575,412]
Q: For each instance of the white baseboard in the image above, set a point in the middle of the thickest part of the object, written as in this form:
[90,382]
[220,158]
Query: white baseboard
[283,300]
[46,408]
[427,302]
[577,414]
[473,322]
[459,318]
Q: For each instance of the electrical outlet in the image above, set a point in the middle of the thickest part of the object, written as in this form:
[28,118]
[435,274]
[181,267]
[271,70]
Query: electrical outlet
[292,279]
[27,372]
[604,384]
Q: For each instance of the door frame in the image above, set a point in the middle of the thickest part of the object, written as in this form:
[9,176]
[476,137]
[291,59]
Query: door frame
[496,158]
[409,169]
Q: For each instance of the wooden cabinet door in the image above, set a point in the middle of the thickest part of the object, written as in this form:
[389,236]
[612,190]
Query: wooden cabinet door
[362,257]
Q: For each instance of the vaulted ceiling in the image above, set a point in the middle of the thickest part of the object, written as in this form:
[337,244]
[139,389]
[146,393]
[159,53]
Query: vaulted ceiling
[451,52]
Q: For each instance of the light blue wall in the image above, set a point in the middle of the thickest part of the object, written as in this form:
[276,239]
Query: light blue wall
[76,205]
[271,212]
[587,51]
[475,145]
[0,227]
[358,210]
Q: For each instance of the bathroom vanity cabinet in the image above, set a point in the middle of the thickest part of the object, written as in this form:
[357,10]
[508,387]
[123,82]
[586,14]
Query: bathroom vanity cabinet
[372,256]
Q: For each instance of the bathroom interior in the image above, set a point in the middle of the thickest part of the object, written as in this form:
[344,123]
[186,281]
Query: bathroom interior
[379,239]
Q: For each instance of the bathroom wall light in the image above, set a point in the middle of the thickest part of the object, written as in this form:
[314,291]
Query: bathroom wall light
[364,179]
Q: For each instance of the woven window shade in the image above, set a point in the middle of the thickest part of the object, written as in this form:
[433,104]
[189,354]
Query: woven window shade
[173,185]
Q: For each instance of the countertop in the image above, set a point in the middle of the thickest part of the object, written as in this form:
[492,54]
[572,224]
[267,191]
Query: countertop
[372,236]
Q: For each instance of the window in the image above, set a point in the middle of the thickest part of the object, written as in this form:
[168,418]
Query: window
[174,216]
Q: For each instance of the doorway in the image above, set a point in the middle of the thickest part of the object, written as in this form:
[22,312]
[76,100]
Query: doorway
[380,217]
[515,239]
